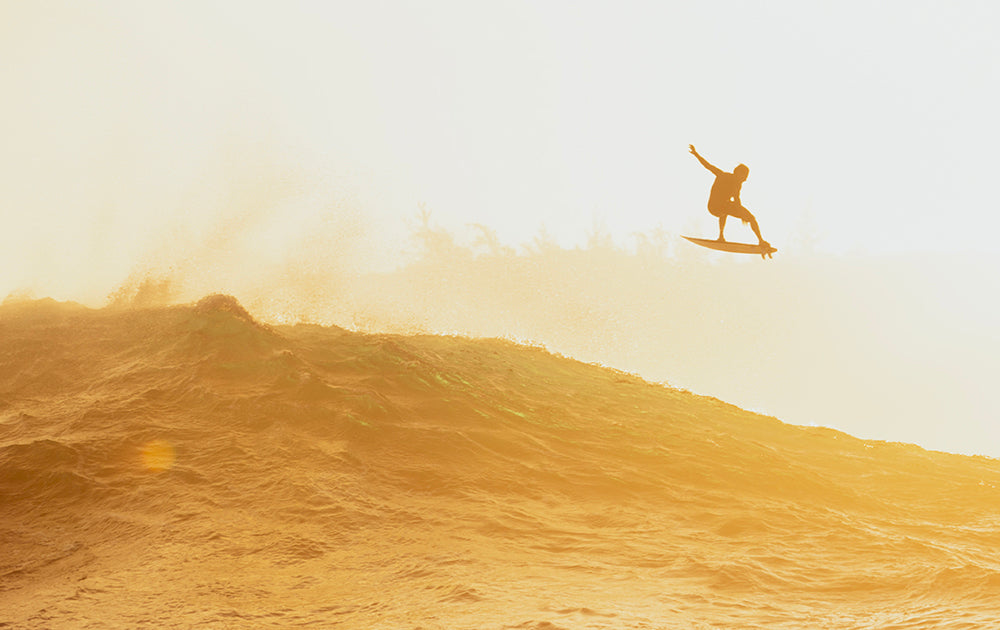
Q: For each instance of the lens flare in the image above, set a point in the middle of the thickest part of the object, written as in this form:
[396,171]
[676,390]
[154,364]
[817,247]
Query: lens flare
[158,455]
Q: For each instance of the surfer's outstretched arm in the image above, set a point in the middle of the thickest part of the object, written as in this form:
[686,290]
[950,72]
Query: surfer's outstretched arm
[714,169]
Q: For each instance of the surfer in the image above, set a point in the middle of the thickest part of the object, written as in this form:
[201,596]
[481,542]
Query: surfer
[724,200]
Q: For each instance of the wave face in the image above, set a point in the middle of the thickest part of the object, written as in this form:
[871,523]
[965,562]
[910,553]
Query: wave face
[189,467]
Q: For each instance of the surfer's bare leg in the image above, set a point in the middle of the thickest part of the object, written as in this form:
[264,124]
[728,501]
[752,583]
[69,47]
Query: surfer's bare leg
[745,215]
[756,229]
[722,227]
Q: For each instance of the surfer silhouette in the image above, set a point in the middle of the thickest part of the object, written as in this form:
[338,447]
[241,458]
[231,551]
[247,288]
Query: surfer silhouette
[724,199]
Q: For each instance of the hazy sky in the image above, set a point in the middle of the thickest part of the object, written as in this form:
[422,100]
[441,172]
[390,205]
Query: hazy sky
[872,125]
[131,130]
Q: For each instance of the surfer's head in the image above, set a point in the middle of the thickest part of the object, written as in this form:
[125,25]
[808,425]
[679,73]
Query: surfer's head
[741,171]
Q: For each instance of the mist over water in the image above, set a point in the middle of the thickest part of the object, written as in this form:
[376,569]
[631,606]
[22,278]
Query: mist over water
[894,348]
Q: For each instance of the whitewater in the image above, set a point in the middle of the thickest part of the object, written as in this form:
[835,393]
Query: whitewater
[189,466]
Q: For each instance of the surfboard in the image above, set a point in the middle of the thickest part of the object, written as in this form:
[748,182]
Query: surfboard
[736,248]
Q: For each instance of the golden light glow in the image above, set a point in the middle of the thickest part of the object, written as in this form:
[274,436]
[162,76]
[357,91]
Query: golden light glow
[388,172]
[158,455]
[279,154]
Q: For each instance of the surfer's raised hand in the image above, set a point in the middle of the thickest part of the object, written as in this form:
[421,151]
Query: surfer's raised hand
[714,169]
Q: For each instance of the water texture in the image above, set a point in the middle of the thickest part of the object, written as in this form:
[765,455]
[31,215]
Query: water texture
[190,467]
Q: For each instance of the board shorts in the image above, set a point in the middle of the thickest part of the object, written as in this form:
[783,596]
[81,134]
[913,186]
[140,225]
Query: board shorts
[731,209]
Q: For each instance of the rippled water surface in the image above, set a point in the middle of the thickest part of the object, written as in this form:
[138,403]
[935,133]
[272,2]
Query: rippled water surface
[188,467]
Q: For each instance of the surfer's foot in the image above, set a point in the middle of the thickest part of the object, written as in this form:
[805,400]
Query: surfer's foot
[720,239]
[764,243]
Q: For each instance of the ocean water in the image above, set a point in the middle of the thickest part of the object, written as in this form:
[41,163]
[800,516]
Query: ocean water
[189,467]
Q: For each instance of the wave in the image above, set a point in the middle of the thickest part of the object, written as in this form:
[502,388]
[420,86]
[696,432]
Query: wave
[222,471]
